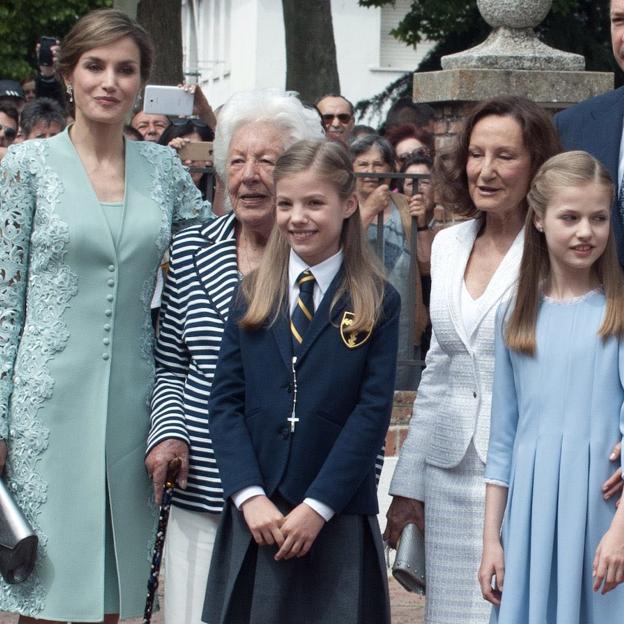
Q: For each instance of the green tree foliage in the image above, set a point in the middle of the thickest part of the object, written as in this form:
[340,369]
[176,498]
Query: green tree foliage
[580,26]
[22,22]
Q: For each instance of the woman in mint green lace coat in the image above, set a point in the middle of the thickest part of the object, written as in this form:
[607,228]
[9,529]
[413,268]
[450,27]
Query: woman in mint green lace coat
[84,220]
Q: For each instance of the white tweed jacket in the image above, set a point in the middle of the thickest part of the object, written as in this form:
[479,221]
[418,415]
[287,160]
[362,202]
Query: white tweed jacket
[453,403]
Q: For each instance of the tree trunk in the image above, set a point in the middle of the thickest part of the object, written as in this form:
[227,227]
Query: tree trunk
[162,19]
[311,68]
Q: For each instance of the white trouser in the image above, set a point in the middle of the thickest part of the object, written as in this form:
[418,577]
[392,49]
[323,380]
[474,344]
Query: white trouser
[188,550]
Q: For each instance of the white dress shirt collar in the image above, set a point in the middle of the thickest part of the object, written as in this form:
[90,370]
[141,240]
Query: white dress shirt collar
[324,272]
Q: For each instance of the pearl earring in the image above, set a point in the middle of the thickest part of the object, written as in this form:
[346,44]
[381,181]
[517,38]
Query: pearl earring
[70,92]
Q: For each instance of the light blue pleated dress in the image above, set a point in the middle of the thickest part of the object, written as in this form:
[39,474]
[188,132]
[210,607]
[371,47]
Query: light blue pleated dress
[555,419]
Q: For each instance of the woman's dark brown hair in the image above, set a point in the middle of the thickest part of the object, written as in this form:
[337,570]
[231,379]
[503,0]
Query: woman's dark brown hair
[396,134]
[101,28]
[538,134]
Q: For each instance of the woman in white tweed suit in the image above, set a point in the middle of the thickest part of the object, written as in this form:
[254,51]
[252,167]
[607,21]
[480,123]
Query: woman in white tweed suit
[438,482]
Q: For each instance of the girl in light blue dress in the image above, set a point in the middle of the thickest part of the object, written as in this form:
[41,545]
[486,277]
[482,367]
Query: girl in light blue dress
[557,409]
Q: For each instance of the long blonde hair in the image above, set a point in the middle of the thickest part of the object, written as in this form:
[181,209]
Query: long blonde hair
[569,169]
[363,280]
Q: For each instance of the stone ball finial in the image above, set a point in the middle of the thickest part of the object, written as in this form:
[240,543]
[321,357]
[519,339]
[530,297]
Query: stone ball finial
[514,14]
[513,44]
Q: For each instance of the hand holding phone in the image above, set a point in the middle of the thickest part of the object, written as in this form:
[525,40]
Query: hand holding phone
[200,150]
[45,56]
[166,100]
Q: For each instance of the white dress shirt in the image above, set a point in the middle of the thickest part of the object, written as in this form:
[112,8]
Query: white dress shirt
[324,273]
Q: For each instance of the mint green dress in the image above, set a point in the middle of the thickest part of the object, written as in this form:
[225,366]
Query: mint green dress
[76,368]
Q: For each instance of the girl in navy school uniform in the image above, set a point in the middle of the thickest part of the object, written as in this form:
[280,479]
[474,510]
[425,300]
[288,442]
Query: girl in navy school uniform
[300,406]
[557,406]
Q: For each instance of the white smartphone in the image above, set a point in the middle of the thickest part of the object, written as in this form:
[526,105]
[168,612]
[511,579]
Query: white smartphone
[165,100]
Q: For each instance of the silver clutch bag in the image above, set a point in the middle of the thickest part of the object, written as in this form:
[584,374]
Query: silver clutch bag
[409,563]
[18,542]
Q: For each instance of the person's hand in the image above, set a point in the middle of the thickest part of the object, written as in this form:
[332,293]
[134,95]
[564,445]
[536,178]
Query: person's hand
[4,451]
[177,144]
[418,209]
[379,199]
[608,566]
[264,520]
[160,458]
[300,529]
[492,565]
[201,106]
[402,511]
[375,203]
[48,70]
[613,485]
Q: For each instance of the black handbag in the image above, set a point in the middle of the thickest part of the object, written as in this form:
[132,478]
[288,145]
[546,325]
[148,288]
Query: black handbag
[18,542]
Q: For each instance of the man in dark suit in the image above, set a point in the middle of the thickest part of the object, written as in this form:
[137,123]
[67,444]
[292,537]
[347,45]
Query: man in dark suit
[596,125]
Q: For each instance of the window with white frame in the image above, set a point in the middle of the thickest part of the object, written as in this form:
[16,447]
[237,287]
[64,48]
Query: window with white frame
[207,51]
[395,54]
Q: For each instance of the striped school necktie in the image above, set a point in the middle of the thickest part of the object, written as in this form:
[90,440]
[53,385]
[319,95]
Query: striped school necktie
[303,311]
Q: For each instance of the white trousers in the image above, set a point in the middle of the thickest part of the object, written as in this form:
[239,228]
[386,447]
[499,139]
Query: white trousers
[188,550]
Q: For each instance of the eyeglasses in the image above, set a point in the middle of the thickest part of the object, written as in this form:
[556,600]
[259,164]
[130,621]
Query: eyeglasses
[9,132]
[182,121]
[343,118]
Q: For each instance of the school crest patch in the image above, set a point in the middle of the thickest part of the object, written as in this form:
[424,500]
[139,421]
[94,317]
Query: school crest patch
[352,339]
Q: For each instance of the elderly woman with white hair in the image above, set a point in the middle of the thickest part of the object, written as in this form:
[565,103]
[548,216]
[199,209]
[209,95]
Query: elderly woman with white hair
[206,264]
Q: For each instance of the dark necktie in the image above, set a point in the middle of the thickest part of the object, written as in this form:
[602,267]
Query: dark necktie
[304,309]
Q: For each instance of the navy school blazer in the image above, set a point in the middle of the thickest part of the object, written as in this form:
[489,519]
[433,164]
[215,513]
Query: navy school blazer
[343,405]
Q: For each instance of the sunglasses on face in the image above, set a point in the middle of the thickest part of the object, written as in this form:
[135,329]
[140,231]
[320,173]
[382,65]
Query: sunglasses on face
[193,121]
[9,133]
[343,118]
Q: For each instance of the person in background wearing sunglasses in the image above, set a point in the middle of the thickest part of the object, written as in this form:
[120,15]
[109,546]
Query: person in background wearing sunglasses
[8,124]
[337,117]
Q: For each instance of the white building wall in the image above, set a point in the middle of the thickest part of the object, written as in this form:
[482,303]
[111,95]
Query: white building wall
[270,55]
[240,44]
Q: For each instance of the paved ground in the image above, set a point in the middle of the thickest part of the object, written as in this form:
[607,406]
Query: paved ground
[406,608]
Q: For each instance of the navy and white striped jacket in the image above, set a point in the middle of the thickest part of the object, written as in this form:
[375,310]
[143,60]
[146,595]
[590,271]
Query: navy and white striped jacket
[203,275]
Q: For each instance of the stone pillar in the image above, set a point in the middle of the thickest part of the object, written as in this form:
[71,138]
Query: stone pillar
[510,61]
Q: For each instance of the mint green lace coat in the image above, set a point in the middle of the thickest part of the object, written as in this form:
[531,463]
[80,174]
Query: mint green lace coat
[76,365]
